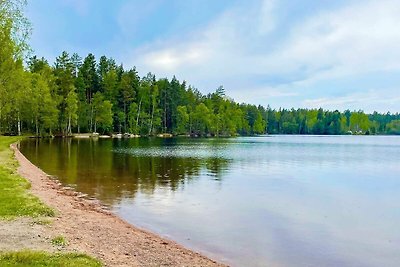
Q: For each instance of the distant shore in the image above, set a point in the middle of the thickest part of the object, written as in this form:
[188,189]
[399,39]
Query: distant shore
[169,135]
[91,229]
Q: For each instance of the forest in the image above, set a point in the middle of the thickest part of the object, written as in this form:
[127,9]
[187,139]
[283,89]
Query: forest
[86,95]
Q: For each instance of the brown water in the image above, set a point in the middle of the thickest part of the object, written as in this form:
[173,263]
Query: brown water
[259,201]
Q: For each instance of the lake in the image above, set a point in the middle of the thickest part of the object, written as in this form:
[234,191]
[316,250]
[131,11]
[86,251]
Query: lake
[247,201]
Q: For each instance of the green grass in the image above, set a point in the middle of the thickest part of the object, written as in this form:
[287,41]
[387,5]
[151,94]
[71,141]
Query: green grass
[39,259]
[59,241]
[42,221]
[6,155]
[15,200]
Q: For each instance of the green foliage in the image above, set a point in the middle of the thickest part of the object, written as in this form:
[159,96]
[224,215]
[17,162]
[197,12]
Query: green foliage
[259,124]
[71,110]
[393,127]
[201,119]
[182,120]
[41,106]
[74,97]
[102,110]
[14,26]
[359,122]
[41,259]
[59,241]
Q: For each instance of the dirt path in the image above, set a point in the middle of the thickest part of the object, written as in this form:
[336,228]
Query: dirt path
[90,229]
[26,233]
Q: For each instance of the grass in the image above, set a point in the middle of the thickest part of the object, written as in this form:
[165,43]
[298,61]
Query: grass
[39,259]
[15,200]
[6,155]
[42,221]
[59,241]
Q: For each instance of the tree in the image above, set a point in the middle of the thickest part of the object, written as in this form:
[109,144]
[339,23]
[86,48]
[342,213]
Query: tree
[71,110]
[182,120]
[87,85]
[259,125]
[155,121]
[102,110]
[333,121]
[14,31]
[359,122]
[133,114]
[65,83]
[41,105]
[393,127]
[201,119]
[15,28]
[126,92]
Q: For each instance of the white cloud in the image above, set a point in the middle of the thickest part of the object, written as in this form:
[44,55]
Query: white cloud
[356,39]
[381,100]
[171,59]
[211,52]
[261,94]
[359,38]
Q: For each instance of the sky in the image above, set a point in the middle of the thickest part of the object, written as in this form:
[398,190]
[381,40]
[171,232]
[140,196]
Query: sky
[334,54]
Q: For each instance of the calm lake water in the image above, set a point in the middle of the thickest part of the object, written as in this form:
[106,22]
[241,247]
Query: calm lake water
[256,201]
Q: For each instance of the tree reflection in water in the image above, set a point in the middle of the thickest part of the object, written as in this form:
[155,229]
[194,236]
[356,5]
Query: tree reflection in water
[115,169]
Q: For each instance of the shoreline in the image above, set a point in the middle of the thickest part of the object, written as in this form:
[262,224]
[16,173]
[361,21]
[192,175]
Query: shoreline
[91,229]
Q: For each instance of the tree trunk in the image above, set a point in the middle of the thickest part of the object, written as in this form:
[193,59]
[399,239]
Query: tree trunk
[217,126]
[91,118]
[37,126]
[126,117]
[190,124]
[138,116]
[165,112]
[69,131]
[19,125]
[151,120]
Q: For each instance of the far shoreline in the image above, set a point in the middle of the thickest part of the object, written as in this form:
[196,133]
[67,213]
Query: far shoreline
[93,230]
[96,136]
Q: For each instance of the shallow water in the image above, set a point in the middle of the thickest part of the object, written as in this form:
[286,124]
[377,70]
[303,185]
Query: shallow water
[249,201]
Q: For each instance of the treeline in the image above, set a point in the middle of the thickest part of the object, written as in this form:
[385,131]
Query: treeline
[322,122]
[76,95]
[82,95]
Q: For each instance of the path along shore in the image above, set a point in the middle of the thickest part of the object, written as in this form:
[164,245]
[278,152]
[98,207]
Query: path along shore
[91,229]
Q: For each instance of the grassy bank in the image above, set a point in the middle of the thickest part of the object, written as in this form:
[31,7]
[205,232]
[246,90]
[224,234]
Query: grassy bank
[39,259]
[14,198]
[16,201]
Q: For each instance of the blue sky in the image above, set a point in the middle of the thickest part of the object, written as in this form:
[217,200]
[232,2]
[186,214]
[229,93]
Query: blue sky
[341,54]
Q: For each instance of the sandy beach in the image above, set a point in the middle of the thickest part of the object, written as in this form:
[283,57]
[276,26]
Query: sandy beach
[91,229]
